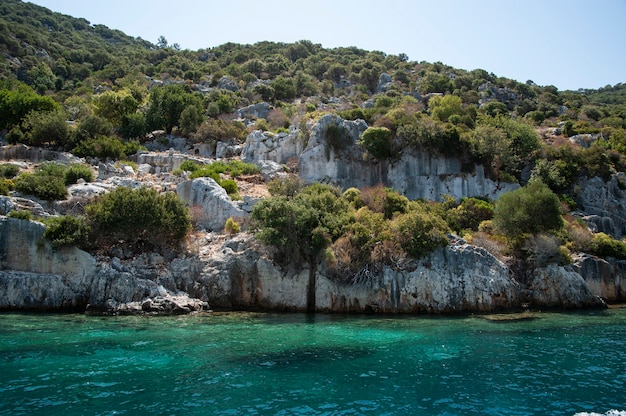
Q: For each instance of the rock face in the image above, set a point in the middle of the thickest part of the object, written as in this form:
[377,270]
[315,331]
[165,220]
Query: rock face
[36,276]
[605,279]
[278,148]
[457,278]
[417,174]
[209,202]
[605,203]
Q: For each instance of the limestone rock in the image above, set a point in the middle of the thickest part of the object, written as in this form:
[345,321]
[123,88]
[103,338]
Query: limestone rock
[278,147]
[418,174]
[384,82]
[209,202]
[606,279]
[604,203]
[228,83]
[560,287]
[254,111]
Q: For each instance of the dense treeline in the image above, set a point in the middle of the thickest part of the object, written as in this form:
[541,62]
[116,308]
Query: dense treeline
[94,91]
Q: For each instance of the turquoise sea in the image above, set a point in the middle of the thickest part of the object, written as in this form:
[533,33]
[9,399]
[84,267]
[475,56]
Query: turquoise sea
[297,364]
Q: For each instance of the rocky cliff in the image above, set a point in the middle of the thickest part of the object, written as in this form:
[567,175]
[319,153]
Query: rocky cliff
[236,274]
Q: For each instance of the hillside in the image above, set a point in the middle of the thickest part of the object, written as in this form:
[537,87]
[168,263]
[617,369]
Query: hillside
[347,163]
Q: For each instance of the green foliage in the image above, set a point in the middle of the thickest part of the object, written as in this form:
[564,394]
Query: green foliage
[38,128]
[115,105]
[67,231]
[528,210]
[503,143]
[78,171]
[6,186]
[166,105]
[19,100]
[138,216]
[8,170]
[469,214]
[47,182]
[301,227]
[377,141]
[442,108]
[288,186]
[234,167]
[419,231]
[21,215]
[212,131]
[92,127]
[105,147]
[605,246]
[231,226]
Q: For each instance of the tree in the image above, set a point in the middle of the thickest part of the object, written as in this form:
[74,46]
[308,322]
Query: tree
[141,217]
[167,104]
[528,210]
[441,108]
[115,105]
[377,141]
[302,226]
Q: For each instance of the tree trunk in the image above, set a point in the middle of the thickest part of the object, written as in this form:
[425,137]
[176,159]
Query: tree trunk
[310,295]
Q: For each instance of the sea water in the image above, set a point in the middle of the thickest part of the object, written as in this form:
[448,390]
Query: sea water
[297,364]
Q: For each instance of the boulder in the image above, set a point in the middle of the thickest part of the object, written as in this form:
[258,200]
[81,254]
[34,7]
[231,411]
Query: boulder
[254,111]
[606,279]
[560,287]
[210,204]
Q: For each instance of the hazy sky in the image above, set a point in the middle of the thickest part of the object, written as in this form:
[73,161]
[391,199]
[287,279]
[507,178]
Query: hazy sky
[570,44]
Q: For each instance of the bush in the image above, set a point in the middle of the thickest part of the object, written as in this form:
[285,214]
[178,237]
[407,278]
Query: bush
[67,231]
[78,171]
[469,214]
[288,186]
[105,147]
[232,227]
[47,182]
[603,245]
[21,215]
[139,216]
[377,141]
[420,232]
[528,210]
[9,170]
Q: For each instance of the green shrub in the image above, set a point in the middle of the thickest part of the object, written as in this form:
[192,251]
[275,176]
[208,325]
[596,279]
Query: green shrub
[78,171]
[605,246]
[230,186]
[67,231]
[47,182]
[139,216]
[9,170]
[105,147]
[469,214]
[528,210]
[21,214]
[6,186]
[419,232]
[232,227]
[377,141]
[288,186]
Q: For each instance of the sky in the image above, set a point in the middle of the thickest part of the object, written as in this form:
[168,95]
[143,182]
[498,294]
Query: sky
[569,44]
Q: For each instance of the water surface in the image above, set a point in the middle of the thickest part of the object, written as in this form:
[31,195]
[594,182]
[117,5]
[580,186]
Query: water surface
[296,364]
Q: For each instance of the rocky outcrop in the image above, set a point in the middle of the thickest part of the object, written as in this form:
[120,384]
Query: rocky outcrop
[238,275]
[254,111]
[606,279]
[604,203]
[560,287]
[34,275]
[417,174]
[210,204]
[279,148]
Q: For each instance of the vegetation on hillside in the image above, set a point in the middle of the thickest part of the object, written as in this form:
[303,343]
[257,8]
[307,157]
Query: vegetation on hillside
[85,88]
